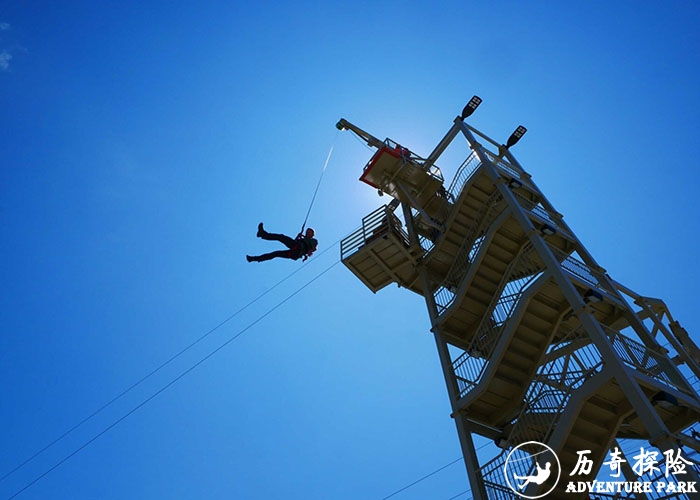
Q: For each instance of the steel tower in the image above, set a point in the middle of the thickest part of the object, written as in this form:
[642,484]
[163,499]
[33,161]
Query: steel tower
[536,341]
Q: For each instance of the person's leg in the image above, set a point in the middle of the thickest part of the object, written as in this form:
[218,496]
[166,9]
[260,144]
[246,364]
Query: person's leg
[268,256]
[284,239]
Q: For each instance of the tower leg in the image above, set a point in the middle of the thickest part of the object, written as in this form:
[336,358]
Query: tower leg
[466,442]
[471,461]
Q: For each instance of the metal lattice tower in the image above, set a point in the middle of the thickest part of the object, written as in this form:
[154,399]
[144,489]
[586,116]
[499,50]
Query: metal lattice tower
[536,341]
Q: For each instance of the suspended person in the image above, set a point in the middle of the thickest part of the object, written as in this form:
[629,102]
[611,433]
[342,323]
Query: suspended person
[302,246]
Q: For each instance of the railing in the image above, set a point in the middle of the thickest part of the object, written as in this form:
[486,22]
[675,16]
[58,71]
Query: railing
[536,209]
[503,164]
[520,274]
[472,163]
[512,293]
[694,383]
[470,366]
[495,491]
[541,213]
[375,225]
[655,365]
[545,401]
[407,156]
[445,294]
[568,365]
[427,233]
[521,463]
[464,172]
[585,273]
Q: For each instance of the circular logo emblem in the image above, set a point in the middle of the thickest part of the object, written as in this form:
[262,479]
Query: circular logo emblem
[532,463]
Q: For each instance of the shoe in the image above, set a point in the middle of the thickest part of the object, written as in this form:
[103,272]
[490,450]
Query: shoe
[261,230]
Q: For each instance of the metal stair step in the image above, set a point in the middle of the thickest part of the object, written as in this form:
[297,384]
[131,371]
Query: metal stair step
[590,424]
[495,263]
[471,204]
[514,358]
[581,442]
[529,335]
[536,324]
[538,307]
[515,369]
[487,279]
[461,225]
[598,415]
[510,234]
[502,249]
[608,397]
[487,274]
[461,324]
[479,409]
[458,324]
[504,386]
[479,291]
[521,346]
[480,191]
[453,240]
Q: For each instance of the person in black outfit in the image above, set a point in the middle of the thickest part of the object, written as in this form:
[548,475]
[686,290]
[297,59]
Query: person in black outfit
[302,246]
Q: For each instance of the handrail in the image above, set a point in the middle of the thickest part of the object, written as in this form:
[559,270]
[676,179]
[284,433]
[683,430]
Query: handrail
[583,363]
[471,365]
[464,173]
[503,164]
[374,225]
[542,213]
[584,273]
[497,491]
[444,295]
[545,401]
[652,364]
[407,156]
[554,384]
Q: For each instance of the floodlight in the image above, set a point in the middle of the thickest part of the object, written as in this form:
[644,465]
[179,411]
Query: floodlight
[471,107]
[515,136]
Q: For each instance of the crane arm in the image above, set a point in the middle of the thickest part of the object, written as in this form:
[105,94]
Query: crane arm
[343,124]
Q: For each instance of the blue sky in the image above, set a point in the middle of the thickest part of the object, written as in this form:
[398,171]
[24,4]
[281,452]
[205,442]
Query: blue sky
[141,144]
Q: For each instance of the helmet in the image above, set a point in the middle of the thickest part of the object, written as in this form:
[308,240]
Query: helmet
[310,232]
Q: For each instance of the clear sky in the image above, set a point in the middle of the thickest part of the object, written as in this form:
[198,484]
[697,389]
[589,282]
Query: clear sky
[142,142]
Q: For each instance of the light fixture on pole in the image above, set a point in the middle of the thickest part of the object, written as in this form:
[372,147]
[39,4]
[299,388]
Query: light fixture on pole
[516,136]
[471,107]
